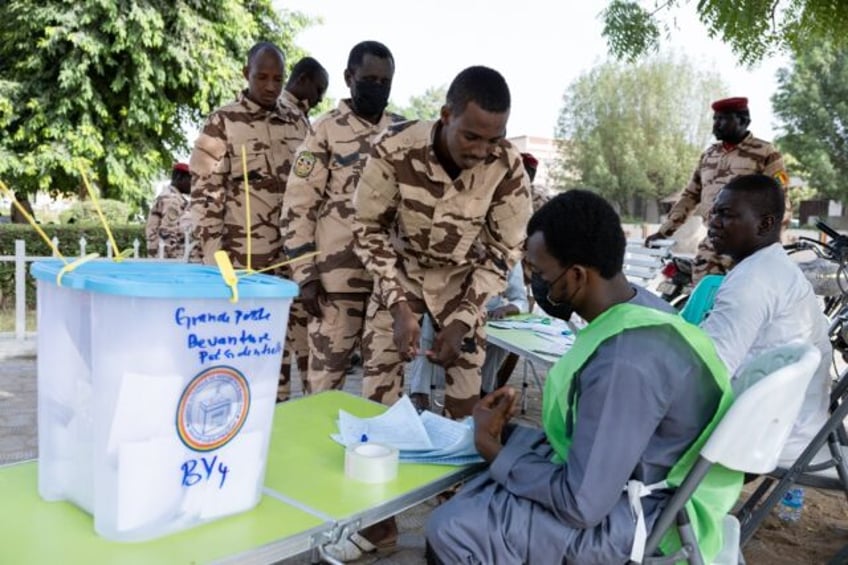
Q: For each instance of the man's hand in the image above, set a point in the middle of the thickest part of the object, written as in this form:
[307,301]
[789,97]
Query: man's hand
[447,346]
[407,331]
[490,415]
[503,311]
[649,241]
[313,295]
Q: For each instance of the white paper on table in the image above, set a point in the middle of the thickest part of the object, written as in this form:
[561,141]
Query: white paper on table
[400,426]
[146,408]
[448,435]
[149,481]
[553,329]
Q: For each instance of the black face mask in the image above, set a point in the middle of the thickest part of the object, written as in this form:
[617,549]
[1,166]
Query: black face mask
[541,292]
[371,98]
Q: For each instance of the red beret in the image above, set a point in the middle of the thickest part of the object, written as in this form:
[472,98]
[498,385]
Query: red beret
[738,104]
[529,160]
[181,167]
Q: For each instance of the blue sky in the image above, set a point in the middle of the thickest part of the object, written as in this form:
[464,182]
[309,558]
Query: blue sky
[539,46]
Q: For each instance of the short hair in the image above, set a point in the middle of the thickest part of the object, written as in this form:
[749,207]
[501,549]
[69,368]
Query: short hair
[261,46]
[580,227]
[763,193]
[308,66]
[484,86]
[375,48]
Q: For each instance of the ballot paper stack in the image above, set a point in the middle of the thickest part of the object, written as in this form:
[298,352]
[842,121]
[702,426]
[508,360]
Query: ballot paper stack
[419,438]
[155,392]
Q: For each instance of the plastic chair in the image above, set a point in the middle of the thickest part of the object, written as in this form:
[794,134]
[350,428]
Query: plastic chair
[701,300]
[821,465]
[749,438]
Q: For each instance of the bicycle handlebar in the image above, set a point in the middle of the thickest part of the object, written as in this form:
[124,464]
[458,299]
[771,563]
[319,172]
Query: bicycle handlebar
[832,233]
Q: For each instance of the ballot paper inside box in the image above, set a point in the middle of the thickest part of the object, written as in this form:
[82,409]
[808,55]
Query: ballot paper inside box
[156,392]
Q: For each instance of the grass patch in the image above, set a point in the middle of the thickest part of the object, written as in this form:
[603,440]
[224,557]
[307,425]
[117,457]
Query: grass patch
[7,320]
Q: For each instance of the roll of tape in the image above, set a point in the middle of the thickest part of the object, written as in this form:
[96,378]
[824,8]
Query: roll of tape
[371,462]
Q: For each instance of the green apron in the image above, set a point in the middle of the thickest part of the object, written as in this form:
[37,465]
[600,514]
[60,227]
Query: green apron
[720,488]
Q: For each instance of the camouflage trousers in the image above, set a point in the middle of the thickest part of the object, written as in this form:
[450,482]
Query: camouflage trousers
[383,377]
[297,349]
[333,338]
[708,262]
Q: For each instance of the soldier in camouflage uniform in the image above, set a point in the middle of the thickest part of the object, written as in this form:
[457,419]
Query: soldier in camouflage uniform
[441,210]
[270,133]
[737,153]
[318,213]
[304,90]
[163,222]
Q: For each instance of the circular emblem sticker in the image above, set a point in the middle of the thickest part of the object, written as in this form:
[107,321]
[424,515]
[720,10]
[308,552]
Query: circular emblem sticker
[213,408]
[304,164]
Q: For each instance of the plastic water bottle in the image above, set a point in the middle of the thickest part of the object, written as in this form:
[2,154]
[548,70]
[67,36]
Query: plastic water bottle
[791,505]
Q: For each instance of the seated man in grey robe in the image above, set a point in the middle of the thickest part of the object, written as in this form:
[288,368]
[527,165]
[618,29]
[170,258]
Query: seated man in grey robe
[633,400]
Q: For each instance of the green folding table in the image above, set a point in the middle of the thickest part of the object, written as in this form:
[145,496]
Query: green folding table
[39,532]
[306,468]
[307,502]
[533,348]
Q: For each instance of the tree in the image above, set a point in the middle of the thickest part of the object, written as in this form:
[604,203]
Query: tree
[812,102]
[635,132]
[109,85]
[752,28]
[424,107]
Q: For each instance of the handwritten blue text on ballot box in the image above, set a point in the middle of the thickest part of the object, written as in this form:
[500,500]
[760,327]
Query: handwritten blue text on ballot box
[156,392]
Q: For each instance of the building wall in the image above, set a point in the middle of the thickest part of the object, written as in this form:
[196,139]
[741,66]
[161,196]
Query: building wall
[542,148]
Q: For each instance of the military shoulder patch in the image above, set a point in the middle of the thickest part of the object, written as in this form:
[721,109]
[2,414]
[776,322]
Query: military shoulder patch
[782,178]
[304,164]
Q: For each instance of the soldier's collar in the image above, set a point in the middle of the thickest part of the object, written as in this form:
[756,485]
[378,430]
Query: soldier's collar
[435,170]
[290,100]
[255,108]
[360,125]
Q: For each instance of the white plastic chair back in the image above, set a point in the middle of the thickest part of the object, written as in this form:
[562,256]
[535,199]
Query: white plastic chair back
[770,390]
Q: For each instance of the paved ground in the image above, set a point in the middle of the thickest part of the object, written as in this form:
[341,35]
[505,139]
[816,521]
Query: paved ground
[19,439]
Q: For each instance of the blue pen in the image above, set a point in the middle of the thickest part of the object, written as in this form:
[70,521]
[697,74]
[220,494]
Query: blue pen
[363,439]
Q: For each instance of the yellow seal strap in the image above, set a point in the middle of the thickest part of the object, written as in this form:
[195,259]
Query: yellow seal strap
[119,256]
[73,265]
[282,263]
[227,273]
[32,222]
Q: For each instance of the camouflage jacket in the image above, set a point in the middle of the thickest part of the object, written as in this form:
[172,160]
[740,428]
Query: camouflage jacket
[218,204]
[716,168]
[163,224]
[297,107]
[318,211]
[448,242]
[540,195]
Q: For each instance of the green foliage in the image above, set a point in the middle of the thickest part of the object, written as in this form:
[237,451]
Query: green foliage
[630,30]
[753,28]
[69,238]
[109,85]
[424,107]
[635,131]
[812,102]
[85,213]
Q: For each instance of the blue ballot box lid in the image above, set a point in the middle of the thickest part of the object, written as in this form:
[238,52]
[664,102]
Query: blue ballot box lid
[160,279]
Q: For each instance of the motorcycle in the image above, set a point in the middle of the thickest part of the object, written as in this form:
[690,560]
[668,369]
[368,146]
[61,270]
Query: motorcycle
[677,284]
